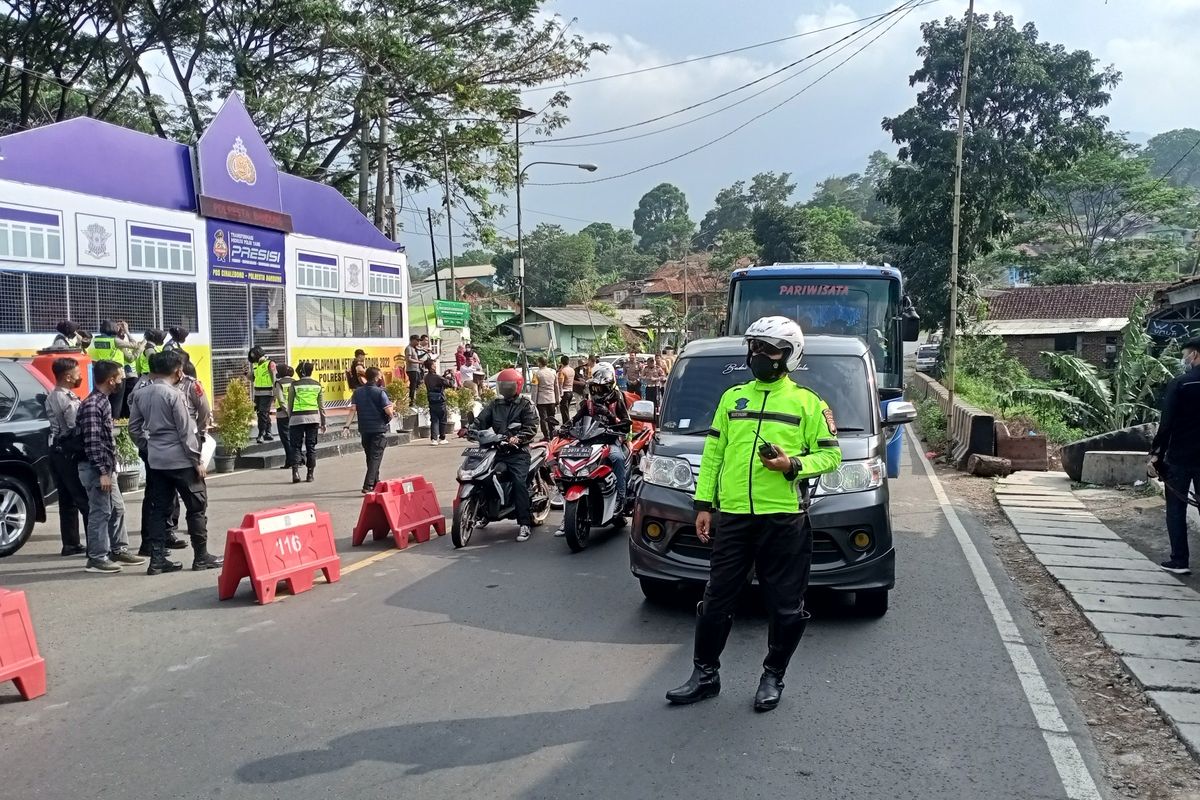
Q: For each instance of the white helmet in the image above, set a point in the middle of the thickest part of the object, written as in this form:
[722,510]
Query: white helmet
[779,332]
[604,375]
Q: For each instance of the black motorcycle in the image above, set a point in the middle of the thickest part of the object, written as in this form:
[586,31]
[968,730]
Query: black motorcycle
[484,494]
[583,473]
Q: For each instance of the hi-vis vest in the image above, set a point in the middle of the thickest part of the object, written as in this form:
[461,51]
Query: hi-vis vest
[104,348]
[262,376]
[305,402]
[141,364]
[281,398]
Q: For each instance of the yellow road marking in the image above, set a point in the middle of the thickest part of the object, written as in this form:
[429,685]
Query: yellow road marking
[369,560]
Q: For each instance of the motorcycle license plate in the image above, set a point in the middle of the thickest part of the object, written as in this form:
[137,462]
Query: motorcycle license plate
[473,451]
[575,452]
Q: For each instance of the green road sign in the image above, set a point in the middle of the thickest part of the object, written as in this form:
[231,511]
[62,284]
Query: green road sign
[451,313]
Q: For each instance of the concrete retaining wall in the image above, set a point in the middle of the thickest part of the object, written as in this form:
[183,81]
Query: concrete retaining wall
[970,429]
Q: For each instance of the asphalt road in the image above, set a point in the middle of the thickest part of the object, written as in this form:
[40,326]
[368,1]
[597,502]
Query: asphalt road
[510,670]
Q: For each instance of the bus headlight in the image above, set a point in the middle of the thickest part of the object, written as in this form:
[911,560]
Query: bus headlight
[674,473]
[854,476]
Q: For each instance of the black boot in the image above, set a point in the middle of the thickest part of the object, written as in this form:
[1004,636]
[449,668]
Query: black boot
[175,543]
[308,478]
[783,636]
[296,474]
[770,687]
[159,563]
[144,550]
[711,632]
[203,560]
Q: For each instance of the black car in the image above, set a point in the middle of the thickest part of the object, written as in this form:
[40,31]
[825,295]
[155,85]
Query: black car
[26,483]
[852,531]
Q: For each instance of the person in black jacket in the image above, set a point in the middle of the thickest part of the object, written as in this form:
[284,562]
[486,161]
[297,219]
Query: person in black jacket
[510,406]
[1175,453]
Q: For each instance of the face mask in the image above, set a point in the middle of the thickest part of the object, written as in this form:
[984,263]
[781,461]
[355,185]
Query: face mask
[1186,362]
[765,368]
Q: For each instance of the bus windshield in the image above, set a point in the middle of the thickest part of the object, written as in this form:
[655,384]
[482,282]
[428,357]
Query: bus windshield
[838,306]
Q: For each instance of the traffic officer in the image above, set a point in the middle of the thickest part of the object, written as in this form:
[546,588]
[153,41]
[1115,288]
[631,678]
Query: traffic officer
[1175,454]
[263,373]
[282,384]
[767,435]
[104,347]
[306,419]
[153,342]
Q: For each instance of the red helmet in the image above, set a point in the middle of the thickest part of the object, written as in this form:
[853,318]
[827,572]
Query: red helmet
[509,383]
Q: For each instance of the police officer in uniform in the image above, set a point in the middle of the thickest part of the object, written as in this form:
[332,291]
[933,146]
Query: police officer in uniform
[1175,454]
[306,419]
[153,342]
[766,436]
[104,348]
[262,370]
[282,384]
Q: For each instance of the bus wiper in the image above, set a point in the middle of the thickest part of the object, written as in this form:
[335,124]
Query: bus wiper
[844,429]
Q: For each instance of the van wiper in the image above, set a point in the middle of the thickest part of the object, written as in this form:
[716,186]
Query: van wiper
[844,429]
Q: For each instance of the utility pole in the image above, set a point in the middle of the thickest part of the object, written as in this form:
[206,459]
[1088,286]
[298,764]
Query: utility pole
[437,281]
[952,333]
[381,172]
[364,148]
[449,229]
[685,301]
[520,262]
[391,204]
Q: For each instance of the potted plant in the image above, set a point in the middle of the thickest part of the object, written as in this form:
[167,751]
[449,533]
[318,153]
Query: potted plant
[128,461]
[421,404]
[397,392]
[464,405]
[233,417]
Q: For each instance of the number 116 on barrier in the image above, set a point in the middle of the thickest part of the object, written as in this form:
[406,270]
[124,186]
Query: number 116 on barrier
[288,545]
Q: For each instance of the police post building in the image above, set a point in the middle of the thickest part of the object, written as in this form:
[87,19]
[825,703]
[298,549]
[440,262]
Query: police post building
[101,222]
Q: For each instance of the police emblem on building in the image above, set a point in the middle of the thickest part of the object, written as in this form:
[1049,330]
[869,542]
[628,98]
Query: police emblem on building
[97,240]
[220,247]
[353,275]
[238,164]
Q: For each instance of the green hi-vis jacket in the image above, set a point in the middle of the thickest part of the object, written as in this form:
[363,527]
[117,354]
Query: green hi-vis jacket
[783,413]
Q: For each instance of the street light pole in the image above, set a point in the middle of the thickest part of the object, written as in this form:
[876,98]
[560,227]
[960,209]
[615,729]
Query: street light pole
[956,213]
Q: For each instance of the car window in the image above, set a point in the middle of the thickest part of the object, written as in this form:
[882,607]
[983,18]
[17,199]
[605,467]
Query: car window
[8,398]
[696,385]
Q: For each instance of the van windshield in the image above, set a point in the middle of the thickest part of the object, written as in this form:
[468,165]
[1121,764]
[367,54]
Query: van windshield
[697,383]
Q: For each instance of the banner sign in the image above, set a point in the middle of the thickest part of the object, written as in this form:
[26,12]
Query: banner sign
[244,254]
[452,313]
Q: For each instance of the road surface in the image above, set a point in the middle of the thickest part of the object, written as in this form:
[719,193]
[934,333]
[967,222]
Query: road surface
[513,670]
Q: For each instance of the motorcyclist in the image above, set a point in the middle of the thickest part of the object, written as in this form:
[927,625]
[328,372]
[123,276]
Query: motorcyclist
[605,402]
[509,407]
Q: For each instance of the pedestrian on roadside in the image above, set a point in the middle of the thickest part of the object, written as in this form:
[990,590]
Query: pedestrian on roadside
[173,541]
[435,387]
[306,419]
[784,433]
[460,357]
[164,427]
[107,538]
[263,373]
[282,384]
[1175,454]
[68,337]
[546,396]
[478,373]
[654,378]
[356,373]
[633,372]
[412,367]
[669,358]
[374,409]
[566,385]
[66,449]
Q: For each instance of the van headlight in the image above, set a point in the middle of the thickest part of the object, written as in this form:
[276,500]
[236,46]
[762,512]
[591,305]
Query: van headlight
[854,476]
[674,473]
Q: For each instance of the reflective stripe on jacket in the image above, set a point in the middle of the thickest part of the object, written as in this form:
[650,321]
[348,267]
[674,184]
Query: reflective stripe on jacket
[306,402]
[104,348]
[263,383]
[787,415]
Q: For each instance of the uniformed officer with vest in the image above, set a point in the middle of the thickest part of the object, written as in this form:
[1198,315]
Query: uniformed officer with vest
[767,436]
[262,371]
[306,419]
[153,341]
[282,425]
[104,347]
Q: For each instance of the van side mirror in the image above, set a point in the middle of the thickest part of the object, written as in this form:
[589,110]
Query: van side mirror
[642,411]
[910,322]
[900,412]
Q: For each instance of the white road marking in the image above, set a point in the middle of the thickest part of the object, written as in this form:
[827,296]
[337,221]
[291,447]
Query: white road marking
[248,628]
[191,662]
[1064,751]
[212,476]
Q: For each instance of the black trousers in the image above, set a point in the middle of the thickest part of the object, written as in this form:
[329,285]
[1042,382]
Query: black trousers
[162,487]
[546,416]
[518,481]
[304,444]
[1179,482]
[262,405]
[779,547]
[373,445]
[283,428]
[414,383]
[72,497]
[437,422]
[172,514]
[564,407]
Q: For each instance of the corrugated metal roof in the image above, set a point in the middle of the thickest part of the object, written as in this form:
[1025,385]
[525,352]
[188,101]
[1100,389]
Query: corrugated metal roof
[575,317]
[1069,302]
[1049,327]
[462,272]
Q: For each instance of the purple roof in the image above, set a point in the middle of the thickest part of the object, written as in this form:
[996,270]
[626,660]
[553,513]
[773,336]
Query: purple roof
[97,158]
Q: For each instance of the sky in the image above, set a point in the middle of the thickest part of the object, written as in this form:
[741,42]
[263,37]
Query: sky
[827,129]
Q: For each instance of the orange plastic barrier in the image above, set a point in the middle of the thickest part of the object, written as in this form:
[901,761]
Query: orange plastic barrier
[279,544]
[19,658]
[403,507]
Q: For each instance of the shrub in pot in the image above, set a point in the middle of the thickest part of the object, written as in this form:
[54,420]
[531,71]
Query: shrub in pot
[128,460]
[233,416]
[397,392]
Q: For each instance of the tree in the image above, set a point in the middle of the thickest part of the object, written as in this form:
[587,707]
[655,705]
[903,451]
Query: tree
[1088,212]
[769,189]
[858,192]
[560,267]
[1021,124]
[799,233]
[661,222]
[734,246]
[662,314]
[617,257]
[735,204]
[1176,149]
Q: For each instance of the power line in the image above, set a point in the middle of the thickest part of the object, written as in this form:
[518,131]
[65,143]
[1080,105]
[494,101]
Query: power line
[759,93]
[695,59]
[907,4]
[724,136]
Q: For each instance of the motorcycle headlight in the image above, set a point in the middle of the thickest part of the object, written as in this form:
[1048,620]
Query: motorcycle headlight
[854,476]
[674,473]
[470,474]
